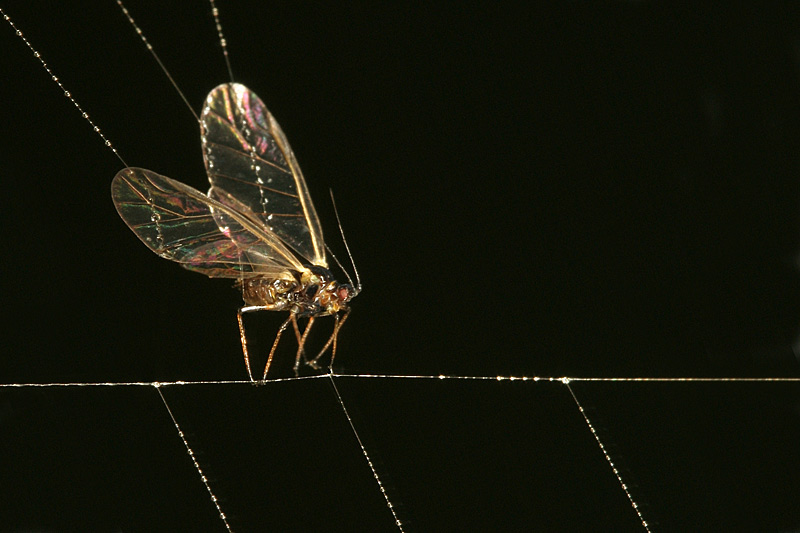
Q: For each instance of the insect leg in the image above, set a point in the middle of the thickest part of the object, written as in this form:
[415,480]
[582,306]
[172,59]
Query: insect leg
[339,325]
[243,336]
[301,343]
[296,327]
[332,340]
[275,344]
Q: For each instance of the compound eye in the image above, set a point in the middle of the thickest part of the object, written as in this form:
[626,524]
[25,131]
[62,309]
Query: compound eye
[344,293]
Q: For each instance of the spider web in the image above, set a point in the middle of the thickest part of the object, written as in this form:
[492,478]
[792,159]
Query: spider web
[458,452]
[452,453]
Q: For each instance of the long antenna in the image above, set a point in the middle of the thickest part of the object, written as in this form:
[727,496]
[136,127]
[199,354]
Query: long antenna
[349,279]
[346,247]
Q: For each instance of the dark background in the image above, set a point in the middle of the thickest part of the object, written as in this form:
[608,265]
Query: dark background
[585,191]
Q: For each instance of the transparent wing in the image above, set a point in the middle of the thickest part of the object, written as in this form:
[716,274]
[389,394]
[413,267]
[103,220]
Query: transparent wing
[251,168]
[183,225]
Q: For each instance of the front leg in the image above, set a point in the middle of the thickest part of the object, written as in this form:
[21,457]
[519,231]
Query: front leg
[332,340]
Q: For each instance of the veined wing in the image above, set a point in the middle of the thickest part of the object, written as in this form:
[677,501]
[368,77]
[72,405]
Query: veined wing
[252,169]
[183,225]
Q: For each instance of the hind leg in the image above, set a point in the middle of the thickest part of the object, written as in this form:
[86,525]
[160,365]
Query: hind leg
[243,335]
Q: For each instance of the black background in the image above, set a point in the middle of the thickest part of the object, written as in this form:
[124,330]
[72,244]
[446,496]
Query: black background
[584,191]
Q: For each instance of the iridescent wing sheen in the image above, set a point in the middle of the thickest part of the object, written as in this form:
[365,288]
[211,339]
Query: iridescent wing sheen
[184,225]
[252,169]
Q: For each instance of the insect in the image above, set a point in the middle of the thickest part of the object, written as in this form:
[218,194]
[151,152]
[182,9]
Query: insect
[257,224]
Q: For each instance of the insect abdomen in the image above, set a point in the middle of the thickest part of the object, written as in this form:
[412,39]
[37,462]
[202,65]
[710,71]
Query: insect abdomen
[265,291]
